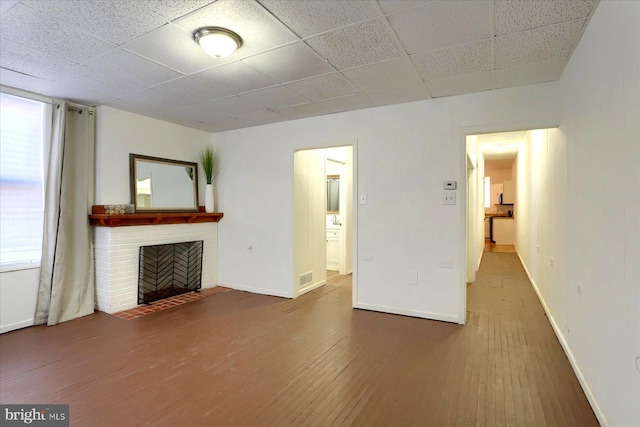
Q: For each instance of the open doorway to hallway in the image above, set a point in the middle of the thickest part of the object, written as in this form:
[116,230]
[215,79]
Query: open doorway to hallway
[516,181]
[323,216]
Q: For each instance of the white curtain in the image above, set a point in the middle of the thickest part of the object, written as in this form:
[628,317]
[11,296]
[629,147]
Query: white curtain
[66,289]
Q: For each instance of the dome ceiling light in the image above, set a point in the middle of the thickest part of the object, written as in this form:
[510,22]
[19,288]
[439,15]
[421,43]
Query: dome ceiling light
[217,42]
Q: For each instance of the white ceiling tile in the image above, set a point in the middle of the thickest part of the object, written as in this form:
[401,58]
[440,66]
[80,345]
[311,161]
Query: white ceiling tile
[23,59]
[174,48]
[323,87]
[219,108]
[394,6]
[293,62]
[114,21]
[359,44]
[132,67]
[414,92]
[537,45]
[157,104]
[346,103]
[513,16]
[94,85]
[307,18]
[260,118]
[52,37]
[302,110]
[258,29]
[528,74]
[226,124]
[5,5]
[234,78]
[146,74]
[173,9]
[453,61]
[134,105]
[271,98]
[90,87]
[189,90]
[165,97]
[468,83]
[443,23]
[389,75]
[41,86]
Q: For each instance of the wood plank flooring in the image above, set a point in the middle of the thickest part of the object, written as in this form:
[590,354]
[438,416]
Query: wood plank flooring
[240,359]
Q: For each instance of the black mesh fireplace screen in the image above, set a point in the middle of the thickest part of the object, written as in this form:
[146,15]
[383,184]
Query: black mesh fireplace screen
[168,270]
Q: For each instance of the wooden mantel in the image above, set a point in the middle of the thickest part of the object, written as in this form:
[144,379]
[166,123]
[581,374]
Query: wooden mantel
[99,218]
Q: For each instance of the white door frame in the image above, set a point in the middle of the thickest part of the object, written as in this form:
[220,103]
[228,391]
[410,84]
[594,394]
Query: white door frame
[354,218]
[462,133]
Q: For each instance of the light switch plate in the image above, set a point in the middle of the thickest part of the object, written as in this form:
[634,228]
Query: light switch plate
[450,185]
[363,198]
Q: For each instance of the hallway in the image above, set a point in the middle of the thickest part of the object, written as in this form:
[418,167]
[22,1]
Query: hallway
[242,359]
[518,371]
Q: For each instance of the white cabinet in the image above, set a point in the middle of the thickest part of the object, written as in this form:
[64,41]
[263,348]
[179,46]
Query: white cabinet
[508,193]
[504,231]
[334,247]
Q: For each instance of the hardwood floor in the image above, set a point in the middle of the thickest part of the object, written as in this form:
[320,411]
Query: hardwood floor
[494,247]
[240,359]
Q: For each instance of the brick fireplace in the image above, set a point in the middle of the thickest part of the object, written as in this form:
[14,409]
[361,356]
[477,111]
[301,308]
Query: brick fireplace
[116,251]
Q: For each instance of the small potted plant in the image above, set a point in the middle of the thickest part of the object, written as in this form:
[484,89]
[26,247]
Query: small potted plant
[207,158]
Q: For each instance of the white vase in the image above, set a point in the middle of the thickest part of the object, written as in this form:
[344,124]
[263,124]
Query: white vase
[209,205]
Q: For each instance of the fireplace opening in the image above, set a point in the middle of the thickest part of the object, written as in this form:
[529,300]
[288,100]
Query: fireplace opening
[168,270]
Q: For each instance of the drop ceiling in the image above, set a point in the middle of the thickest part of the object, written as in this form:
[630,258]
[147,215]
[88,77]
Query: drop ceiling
[299,58]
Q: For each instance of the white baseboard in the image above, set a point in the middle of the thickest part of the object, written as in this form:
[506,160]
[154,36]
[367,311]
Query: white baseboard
[261,291]
[17,325]
[405,312]
[311,287]
[567,349]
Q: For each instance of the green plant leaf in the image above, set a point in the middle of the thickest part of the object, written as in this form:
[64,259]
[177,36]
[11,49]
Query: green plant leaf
[207,158]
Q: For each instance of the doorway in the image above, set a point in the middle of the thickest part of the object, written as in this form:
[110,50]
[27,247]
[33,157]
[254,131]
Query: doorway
[323,216]
[491,194]
[520,186]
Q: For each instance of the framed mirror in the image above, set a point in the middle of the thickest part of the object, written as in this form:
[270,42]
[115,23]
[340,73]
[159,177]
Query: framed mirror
[163,185]
[333,194]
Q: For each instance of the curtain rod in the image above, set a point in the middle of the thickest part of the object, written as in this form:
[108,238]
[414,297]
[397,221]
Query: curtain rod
[78,109]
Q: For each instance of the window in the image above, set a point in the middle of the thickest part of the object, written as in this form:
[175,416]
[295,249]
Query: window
[24,125]
[487,191]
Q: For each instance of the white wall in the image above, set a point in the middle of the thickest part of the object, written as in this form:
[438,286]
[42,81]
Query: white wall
[404,153]
[579,213]
[309,188]
[601,119]
[18,297]
[119,133]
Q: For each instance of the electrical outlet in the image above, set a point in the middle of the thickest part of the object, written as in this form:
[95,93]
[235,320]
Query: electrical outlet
[412,277]
[446,263]
[552,262]
[449,198]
